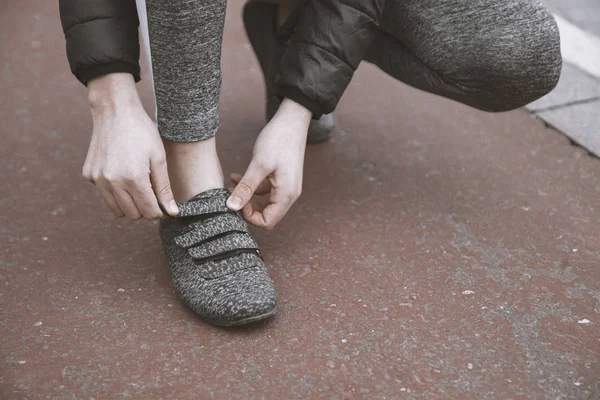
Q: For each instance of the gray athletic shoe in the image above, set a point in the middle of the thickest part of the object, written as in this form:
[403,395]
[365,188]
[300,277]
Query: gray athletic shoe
[215,263]
[260,24]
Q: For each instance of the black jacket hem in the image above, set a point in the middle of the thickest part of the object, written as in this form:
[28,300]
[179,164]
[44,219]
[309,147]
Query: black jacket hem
[85,75]
[296,95]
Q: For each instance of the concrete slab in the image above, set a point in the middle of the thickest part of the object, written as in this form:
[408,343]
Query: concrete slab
[581,122]
[574,86]
[583,13]
[437,252]
[579,47]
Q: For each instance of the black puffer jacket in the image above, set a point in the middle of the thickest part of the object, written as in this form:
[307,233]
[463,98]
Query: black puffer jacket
[327,41]
[102,37]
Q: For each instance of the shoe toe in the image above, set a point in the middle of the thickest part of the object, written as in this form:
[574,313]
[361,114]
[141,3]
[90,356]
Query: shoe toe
[245,296]
[233,290]
[322,129]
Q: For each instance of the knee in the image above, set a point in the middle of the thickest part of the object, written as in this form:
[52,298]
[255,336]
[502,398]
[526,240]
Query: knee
[519,72]
[516,87]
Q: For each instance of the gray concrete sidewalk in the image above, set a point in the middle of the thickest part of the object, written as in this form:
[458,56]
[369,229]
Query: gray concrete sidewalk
[574,106]
[583,13]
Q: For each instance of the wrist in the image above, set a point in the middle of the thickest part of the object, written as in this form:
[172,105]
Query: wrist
[293,110]
[108,93]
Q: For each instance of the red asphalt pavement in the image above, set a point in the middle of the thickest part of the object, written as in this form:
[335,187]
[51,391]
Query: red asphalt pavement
[437,252]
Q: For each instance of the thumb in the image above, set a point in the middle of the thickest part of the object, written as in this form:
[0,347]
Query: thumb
[159,176]
[243,191]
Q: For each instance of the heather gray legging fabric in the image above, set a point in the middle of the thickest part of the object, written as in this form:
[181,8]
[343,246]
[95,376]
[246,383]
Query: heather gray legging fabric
[185,41]
[494,55]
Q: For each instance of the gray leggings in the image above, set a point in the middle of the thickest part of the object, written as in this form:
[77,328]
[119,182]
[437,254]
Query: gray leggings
[495,55]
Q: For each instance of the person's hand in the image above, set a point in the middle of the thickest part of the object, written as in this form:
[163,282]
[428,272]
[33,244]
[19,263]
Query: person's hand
[126,158]
[275,169]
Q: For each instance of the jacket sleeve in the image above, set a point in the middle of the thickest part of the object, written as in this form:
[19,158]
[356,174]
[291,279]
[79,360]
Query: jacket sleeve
[330,40]
[102,37]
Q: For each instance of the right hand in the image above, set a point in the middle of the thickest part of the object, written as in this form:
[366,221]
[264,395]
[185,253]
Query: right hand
[126,158]
[275,169]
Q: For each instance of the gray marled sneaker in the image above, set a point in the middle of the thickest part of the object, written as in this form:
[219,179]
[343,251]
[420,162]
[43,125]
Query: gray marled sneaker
[259,21]
[215,263]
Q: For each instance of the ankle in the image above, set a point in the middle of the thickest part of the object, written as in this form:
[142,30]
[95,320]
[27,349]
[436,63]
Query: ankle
[184,191]
[193,168]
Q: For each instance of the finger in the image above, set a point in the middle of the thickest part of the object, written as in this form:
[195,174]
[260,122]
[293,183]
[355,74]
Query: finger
[252,207]
[243,191]
[146,202]
[159,177]
[270,216]
[280,202]
[111,202]
[262,189]
[86,172]
[126,204]
[235,178]
[88,177]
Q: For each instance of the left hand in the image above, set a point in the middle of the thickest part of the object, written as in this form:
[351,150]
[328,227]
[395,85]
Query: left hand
[275,169]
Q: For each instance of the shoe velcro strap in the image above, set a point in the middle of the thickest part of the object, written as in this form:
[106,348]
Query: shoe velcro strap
[214,269]
[218,225]
[224,244]
[213,204]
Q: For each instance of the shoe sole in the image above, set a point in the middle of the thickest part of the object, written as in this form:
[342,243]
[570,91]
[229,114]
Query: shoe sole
[244,321]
